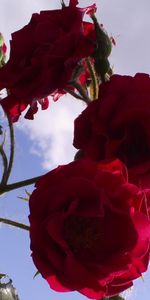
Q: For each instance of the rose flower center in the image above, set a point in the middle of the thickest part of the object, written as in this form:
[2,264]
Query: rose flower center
[96,238]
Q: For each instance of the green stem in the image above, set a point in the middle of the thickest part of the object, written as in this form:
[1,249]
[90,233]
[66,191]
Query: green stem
[94,78]
[72,93]
[15,224]
[5,164]
[19,184]
[12,143]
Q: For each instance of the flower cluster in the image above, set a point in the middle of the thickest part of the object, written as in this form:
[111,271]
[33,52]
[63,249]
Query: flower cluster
[89,220]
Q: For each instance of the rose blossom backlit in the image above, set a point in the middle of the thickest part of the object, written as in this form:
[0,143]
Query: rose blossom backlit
[117,125]
[43,55]
[90,229]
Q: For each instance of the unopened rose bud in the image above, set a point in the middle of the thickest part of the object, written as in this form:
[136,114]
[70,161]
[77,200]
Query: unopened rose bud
[102,66]
[104,43]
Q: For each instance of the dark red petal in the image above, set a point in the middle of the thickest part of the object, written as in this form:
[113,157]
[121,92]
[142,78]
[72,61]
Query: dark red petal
[12,107]
[73,3]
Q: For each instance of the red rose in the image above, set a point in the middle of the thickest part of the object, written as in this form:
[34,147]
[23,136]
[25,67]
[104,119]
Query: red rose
[89,229]
[117,125]
[42,57]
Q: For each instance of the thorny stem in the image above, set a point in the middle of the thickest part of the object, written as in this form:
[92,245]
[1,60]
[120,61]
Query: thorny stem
[5,164]
[15,224]
[94,78]
[17,185]
[12,142]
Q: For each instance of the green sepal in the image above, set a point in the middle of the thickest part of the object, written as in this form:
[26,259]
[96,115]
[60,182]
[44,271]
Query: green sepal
[118,297]
[25,198]
[36,274]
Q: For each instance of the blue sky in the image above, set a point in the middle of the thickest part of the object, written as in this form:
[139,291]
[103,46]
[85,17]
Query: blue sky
[46,142]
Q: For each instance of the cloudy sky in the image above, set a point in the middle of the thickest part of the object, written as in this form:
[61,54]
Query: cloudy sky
[47,141]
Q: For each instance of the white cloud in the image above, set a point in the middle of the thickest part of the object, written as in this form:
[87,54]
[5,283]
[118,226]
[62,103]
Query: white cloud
[51,132]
